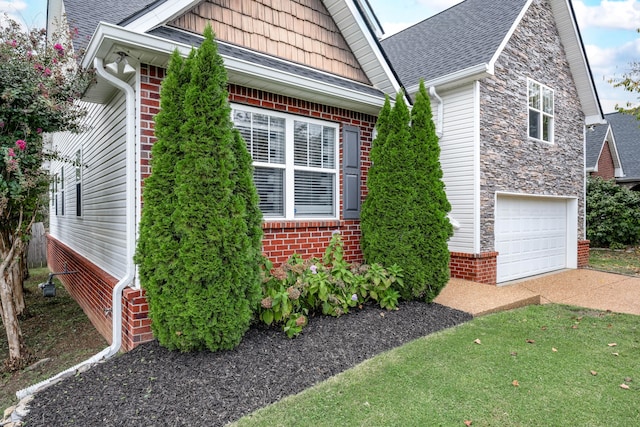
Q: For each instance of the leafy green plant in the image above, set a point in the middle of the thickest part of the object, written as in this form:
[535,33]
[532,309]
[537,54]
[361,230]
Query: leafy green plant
[613,214]
[331,286]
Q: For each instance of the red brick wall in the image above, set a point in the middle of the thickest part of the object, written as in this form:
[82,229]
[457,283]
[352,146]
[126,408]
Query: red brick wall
[583,253]
[475,267]
[92,288]
[606,168]
[281,238]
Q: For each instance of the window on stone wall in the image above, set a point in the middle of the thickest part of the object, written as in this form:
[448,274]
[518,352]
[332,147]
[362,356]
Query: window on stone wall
[295,162]
[540,100]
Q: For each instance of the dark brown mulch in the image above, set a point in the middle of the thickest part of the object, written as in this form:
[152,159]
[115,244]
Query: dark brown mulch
[151,386]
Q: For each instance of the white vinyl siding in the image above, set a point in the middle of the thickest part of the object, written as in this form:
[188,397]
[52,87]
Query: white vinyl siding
[458,160]
[99,234]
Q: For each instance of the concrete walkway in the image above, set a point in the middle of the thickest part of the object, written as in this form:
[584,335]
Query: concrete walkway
[582,287]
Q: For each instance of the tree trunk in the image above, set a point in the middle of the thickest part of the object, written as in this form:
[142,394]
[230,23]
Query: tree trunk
[18,353]
[18,291]
[12,247]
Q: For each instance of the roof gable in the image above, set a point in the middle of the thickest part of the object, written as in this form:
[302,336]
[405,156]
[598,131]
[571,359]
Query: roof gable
[626,130]
[464,41]
[301,32]
[463,37]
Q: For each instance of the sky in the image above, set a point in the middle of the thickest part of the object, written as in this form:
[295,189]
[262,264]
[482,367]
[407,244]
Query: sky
[608,29]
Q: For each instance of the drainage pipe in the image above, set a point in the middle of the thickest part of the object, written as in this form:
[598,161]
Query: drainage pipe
[432,92]
[116,298]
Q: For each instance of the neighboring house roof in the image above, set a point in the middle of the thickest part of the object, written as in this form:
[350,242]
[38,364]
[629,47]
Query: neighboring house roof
[599,137]
[596,137]
[464,42]
[626,130]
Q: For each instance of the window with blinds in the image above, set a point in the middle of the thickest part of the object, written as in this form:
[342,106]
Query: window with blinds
[295,162]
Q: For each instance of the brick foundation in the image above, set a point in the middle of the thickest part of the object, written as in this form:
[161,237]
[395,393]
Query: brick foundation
[583,253]
[475,267]
[92,288]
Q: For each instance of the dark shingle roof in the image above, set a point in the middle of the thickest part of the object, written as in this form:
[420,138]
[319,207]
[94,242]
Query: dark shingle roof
[84,15]
[595,139]
[267,61]
[626,131]
[460,37]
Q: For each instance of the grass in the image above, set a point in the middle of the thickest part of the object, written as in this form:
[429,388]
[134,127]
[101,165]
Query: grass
[57,332]
[616,261]
[447,378]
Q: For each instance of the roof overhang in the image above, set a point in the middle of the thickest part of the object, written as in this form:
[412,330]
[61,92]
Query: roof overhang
[578,62]
[149,49]
[459,78]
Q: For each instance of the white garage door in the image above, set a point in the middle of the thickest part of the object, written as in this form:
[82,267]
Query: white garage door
[531,236]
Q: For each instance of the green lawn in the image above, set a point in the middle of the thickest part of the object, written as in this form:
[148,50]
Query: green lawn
[545,365]
[616,261]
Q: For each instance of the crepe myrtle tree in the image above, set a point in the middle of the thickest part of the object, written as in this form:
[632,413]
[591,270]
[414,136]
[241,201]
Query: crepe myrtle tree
[40,83]
[404,217]
[630,81]
[200,236]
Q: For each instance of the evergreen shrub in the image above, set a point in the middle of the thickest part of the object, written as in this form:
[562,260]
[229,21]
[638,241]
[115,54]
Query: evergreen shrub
[200,233]
[404,217]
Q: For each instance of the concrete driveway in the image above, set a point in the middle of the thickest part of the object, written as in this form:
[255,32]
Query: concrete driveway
[582,287]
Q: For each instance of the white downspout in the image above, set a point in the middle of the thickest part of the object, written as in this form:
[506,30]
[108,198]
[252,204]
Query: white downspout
[432,92]
[116,298]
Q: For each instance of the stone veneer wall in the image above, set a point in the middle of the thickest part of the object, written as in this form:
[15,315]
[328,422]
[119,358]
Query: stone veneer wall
[510,161]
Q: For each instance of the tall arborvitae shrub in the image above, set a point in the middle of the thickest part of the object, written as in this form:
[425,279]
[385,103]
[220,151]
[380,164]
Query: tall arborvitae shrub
[432,205]
[158,242]
[404,215]
[214,286]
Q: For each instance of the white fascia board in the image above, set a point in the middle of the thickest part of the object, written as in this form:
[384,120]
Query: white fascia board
[513,28]
[617,163]
[167,11]
[474,73]
[594,120]
[304,83]
[570,36]
[374,44]
[108,35]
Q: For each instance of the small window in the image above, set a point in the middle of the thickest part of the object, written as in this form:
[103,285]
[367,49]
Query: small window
[295,162]
[78,166]
[540,100]
[62,191]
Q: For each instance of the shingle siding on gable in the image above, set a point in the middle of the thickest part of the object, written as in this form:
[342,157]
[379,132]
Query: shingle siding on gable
[299,31]
[510,161]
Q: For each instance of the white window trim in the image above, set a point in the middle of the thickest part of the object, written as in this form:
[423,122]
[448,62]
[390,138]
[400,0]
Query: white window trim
[542,113]
[290,167]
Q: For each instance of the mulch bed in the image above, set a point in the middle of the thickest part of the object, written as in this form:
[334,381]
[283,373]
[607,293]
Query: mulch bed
[151,386]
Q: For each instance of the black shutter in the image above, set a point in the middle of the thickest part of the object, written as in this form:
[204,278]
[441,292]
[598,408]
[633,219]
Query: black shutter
[351,172]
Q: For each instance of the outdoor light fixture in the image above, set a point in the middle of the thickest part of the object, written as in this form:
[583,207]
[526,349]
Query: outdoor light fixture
[114,66]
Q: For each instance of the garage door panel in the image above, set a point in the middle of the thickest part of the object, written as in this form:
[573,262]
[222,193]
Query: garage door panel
[531,236]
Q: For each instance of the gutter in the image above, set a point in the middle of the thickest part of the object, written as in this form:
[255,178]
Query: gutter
[116,298]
